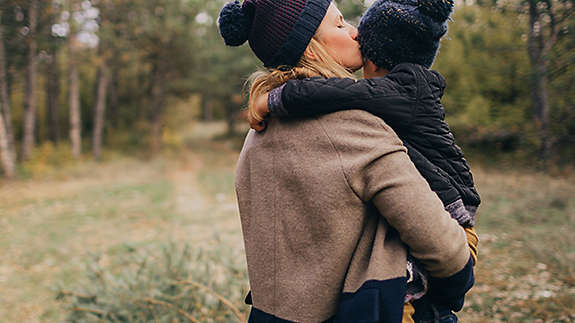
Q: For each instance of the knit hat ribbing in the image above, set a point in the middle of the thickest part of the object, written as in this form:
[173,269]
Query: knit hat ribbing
[403,31]
[278,31]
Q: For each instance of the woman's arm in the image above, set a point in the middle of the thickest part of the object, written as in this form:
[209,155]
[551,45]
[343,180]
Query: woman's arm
[379,171]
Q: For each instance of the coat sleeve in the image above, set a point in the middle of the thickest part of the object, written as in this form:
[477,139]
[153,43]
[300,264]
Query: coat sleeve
[382,97]
[379,171]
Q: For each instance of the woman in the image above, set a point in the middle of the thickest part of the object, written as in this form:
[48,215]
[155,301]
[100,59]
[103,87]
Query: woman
[322,201]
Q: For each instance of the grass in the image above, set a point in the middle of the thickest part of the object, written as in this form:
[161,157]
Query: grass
[527,251]
[52,226]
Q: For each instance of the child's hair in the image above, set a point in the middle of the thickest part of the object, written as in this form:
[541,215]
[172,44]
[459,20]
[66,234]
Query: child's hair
[323,65]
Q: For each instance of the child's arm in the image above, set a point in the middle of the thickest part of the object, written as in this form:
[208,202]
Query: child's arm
[383,97]
[442,184]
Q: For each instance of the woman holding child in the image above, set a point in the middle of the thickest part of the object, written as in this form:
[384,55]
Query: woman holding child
[331,206]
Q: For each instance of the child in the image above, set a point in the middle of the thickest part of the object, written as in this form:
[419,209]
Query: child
[399,39]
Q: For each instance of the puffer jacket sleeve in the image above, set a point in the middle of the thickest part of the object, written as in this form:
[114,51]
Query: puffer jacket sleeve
[383,97]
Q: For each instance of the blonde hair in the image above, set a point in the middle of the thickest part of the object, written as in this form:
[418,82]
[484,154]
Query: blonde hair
[322,65]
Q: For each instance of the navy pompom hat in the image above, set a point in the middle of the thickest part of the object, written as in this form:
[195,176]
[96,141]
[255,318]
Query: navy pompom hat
[278,31]
[403,31]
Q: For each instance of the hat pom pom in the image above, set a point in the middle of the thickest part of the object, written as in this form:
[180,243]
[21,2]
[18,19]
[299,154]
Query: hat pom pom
[235,23]
[438,10]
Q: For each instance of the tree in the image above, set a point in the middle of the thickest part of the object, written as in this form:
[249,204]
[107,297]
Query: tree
[100,110]
[50,45]
[74,86]
[5,152]
[547,18]
[52,89]
[31,76]
[162,30]
[106,39]
[220,71]
[6,142]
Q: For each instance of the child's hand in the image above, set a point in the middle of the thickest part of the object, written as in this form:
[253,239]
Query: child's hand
[257,115]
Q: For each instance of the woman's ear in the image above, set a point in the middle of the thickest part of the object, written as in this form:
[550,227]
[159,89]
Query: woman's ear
[309,54]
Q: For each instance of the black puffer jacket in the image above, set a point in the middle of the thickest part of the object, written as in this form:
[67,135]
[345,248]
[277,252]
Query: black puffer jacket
[409,100]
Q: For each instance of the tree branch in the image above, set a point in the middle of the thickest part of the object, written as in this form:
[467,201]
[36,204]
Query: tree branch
[90,310]
[534,51]
[222,299]
[554,30]
[172,306]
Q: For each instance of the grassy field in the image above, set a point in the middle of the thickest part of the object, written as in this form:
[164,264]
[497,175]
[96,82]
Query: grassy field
[52,225]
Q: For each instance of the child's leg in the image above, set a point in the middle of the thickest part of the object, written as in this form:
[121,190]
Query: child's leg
[473,241]
[408,312]
[427,312]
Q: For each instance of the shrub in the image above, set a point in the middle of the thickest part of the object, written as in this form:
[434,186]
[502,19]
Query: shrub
[167,285]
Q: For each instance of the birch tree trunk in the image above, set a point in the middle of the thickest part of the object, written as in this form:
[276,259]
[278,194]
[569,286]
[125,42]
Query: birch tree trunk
[74,91]
[8,160]
[5,108]
[28,142]
[6,143]
[75,113]
[100,110]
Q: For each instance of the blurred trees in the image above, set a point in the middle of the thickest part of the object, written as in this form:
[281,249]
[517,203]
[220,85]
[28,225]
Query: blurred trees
[113,69]
[501,92]
[548,22]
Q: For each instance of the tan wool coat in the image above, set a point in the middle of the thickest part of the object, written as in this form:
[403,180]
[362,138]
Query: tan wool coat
[331,202]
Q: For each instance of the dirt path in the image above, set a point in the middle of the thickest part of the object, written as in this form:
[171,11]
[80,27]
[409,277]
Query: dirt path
[49,228]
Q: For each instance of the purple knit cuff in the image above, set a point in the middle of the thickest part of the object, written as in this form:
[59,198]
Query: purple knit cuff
[459,212]
[417,280]
[275,104]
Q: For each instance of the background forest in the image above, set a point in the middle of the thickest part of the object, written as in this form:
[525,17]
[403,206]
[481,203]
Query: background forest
[120,125]
[82,76]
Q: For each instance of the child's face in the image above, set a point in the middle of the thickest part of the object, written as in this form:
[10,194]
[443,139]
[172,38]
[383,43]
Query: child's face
[340,39]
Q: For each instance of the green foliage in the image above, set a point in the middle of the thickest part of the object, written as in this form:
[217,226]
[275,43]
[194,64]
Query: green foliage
[166,285]
[46,159]
[176,43]
[485,64]
[488,97]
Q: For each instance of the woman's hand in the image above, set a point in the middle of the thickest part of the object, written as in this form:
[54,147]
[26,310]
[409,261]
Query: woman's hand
[257,115]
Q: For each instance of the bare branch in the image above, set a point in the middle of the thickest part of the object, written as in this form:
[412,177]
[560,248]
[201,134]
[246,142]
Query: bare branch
[533,49]
[90,310]
[222,299]
[553,28]
[179,310]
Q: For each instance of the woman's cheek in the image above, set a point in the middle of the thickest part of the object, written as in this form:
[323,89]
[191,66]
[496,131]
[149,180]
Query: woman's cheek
[354,53]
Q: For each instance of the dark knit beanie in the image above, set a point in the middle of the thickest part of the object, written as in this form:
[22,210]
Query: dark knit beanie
[278,31]
[403,31]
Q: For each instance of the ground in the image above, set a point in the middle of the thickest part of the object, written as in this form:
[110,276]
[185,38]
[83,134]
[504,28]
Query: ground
[51,225]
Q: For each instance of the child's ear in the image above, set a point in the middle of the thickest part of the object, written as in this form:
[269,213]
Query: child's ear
[310,55]
[369,66]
